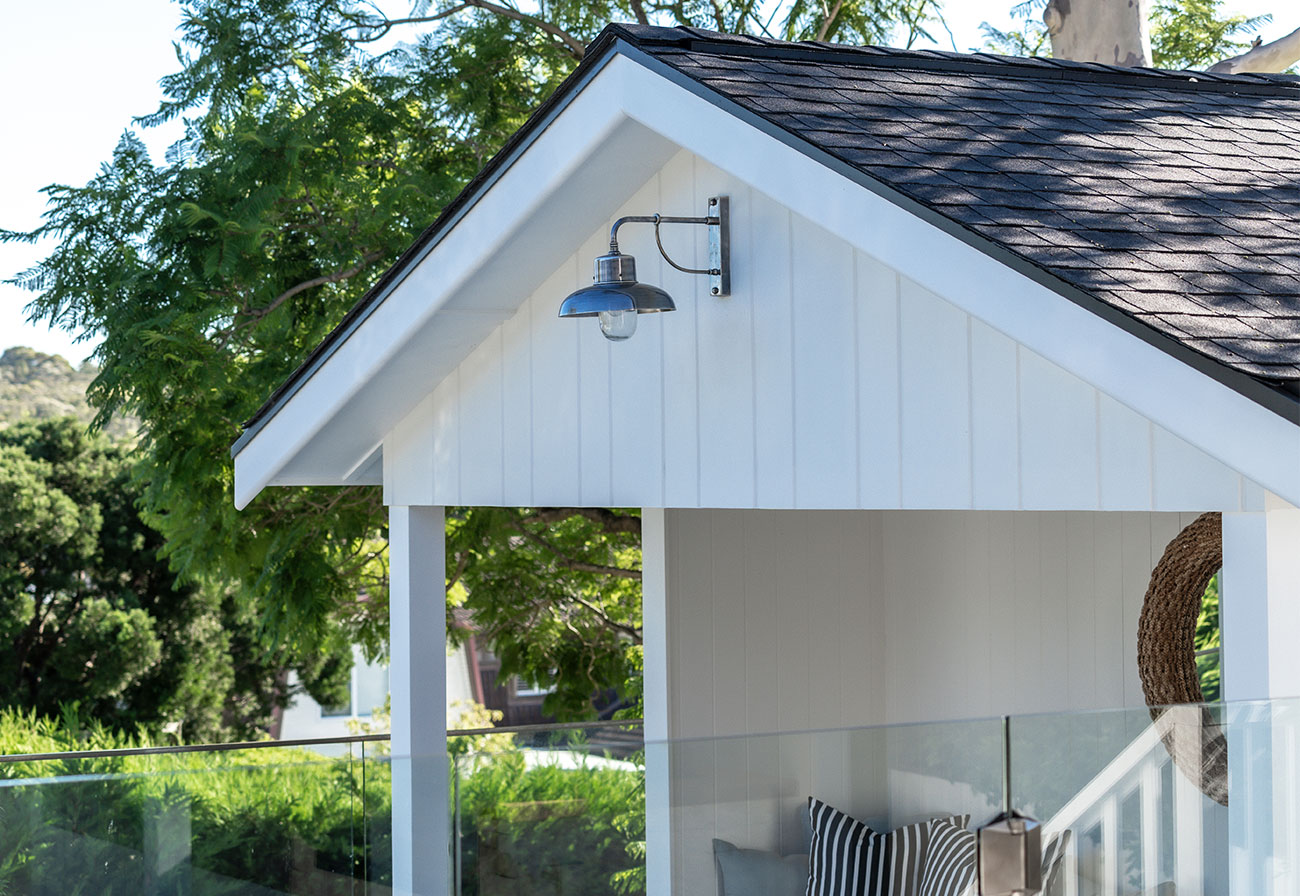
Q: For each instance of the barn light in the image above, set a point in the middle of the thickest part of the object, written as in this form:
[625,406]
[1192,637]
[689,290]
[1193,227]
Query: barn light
[1009,857]
[615,297]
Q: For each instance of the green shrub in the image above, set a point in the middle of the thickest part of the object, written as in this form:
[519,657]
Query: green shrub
[192,822]
[549,830]
[295,822]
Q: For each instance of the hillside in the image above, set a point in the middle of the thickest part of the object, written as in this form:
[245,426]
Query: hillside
[34,385]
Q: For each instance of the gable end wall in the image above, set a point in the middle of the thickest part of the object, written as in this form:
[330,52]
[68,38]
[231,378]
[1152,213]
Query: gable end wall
[827,380]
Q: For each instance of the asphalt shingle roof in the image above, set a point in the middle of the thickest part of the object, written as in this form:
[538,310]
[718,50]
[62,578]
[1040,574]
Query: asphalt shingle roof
[1174,198]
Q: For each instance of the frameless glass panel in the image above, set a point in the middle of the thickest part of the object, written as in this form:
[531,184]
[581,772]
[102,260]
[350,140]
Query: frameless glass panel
[1167,821]
[1133,849]
[549,812]
[1092,862]
[377,819]
[263,821]
[563,809]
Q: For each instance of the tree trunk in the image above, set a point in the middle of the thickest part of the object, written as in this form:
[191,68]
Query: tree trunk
[1113,32]
[1270,57]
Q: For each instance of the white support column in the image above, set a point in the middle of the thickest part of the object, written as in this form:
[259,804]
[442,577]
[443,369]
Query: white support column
[1260,614]
[1260,619]
[654,639]
[417,635]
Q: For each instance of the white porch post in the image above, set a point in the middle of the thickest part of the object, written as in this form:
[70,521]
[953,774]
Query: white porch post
[417,619]
[654,639]
[1260,619]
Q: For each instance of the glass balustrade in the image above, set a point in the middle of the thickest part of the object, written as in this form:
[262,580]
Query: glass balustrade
[1193,801]
[549,811]
[1187,801]
[260,820]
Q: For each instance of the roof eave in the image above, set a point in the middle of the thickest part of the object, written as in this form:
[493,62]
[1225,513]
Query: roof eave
[611,43]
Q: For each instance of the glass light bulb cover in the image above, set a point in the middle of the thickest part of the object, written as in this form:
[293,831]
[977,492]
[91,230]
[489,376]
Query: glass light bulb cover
[617,325]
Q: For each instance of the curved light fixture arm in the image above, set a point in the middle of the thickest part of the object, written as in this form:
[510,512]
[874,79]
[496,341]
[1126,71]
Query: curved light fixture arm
[719,224]
[664,252]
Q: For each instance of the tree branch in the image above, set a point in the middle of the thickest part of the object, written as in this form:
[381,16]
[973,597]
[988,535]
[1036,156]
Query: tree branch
[577,49]
[633,633]
[608,521]
[579,565]
[831,15]
[616,571]
[305,285]
[718,19]
[388,24]
[1270,57]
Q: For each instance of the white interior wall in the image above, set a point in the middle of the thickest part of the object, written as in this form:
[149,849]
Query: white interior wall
[799,621]
[796,620]
[827,380]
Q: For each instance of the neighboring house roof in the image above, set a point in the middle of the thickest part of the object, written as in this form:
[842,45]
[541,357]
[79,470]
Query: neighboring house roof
[1166,202]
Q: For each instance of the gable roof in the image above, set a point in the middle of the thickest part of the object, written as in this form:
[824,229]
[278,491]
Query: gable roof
[1165,202]
[1174,198]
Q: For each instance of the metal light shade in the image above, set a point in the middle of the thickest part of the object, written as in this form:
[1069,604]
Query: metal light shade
[616,298]
[1010,856]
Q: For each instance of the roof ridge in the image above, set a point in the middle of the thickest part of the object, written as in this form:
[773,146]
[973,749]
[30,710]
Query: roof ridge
[700,40]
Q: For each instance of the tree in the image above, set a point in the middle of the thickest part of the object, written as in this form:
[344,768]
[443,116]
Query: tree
[309,163]
[1100,31]
[96,619]
[34,385]
[1192,34]
[558,592]
[1183,34]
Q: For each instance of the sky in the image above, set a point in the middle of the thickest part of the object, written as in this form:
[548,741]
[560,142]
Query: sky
[77,72]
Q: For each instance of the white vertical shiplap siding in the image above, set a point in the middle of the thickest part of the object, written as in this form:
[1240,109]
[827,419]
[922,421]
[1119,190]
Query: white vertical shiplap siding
[827,380]
[783,626]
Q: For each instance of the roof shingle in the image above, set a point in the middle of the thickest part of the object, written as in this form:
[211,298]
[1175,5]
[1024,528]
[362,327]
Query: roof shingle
[1172,197]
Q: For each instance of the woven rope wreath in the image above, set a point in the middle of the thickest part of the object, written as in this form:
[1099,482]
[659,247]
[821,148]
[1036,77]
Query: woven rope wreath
[1167,655]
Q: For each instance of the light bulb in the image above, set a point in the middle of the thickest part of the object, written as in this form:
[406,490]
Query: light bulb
[617,325]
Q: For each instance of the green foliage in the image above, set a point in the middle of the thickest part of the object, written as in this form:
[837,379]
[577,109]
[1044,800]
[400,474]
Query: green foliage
[1031,39]
[293,821]
[558,594]
[856,21]
[309,163]
[471,716]
[96,619]
[550,829]
[1209,637]
[37,386]
[1185,34]
[1191,34]
[272,816]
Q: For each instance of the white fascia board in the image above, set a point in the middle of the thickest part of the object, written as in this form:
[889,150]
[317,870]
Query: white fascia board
[436,285]
[1223,423]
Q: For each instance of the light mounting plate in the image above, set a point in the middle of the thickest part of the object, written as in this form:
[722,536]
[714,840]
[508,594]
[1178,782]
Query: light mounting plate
[720,246]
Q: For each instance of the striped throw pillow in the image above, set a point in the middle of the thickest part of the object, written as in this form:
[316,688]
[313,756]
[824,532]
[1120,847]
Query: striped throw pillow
[949,861]
[848,858]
